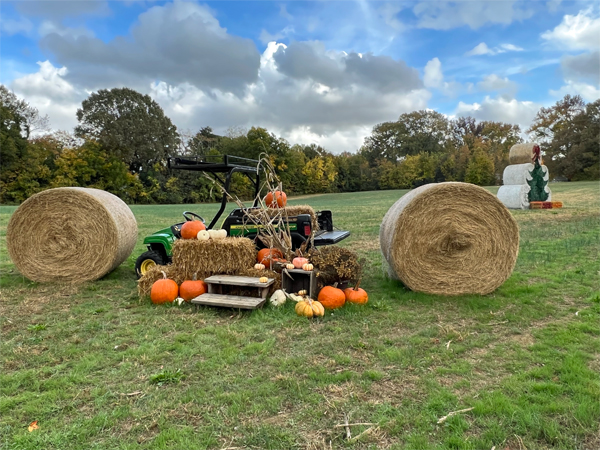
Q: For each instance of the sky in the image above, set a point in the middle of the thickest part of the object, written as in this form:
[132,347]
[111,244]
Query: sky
[312,72]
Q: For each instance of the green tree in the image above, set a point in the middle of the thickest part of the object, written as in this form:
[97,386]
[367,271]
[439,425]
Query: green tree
[574,151]
[130,126]
[30,119]
[413,133]
[480,169]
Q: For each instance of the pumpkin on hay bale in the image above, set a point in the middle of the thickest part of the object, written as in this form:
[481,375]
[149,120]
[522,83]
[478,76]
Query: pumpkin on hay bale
[450,239]
[70,234]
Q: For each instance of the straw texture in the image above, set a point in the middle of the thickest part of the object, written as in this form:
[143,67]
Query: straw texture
[450,239]
[521,153]
[213,256]
[70,234]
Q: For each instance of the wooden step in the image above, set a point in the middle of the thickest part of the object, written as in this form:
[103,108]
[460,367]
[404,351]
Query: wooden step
[229,301]
[234,280]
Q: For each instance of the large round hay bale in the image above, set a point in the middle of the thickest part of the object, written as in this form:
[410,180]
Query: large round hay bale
[520,173]
[70,234]
[521,153]
[450,239]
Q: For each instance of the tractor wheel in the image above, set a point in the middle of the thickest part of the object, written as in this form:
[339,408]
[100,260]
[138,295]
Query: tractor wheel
[148,260]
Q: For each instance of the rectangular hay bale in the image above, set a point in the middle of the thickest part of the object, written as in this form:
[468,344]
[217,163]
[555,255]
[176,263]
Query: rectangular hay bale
[213,256]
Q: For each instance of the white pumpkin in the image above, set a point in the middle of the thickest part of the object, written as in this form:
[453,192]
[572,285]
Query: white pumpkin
[278,298]
[222,234]
[203,235]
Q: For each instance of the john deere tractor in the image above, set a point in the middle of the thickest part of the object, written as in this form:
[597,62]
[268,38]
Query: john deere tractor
[160,244]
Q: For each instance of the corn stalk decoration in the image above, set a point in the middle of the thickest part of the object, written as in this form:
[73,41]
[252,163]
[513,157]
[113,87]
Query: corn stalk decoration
[273,231]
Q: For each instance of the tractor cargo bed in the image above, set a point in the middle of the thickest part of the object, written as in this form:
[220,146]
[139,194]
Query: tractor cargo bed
[330,237]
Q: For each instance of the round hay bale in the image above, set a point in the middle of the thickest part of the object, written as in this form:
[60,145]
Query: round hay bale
[520,173]
[450,239]
[70,234]
[521,153]
[514,196]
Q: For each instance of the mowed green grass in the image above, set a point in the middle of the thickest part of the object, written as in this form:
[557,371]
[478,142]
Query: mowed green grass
[100,369]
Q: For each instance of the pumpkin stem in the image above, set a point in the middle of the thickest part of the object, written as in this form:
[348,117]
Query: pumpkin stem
[164,274]
[194,278]
[335,285]
[357,284]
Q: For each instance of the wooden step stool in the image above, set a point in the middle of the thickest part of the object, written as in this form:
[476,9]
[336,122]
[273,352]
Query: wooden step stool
[215,297]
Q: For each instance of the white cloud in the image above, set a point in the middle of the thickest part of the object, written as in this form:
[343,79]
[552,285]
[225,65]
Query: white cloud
[587,91]
[15,26]
[511,48]
[483,49]
[448,15]
[493,82]
[433,73]
[480,49]
[580,32]
[301,109]
[51,94]
[500,109]
[433,78]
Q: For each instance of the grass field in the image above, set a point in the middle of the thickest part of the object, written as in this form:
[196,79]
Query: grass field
[100,369]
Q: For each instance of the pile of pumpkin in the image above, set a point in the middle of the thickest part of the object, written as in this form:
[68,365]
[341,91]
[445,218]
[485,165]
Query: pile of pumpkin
[166,290]
[330,297]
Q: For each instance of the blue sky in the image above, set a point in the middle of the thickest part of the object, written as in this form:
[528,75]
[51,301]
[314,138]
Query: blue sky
[312,72]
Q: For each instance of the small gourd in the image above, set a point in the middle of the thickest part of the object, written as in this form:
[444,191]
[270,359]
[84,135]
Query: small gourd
[307,267]
[289,266]
[302,292]
[331,297]
[217,234]
[189,230]
[309,308]
[203,235]
[259,266]
[278,298]
[295,297]
[299,262]
[164,290]
[263,279]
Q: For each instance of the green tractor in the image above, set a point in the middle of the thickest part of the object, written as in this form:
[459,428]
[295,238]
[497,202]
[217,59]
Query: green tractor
[160,244]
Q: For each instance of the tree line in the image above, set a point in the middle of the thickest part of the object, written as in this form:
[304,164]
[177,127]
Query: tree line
[123,140]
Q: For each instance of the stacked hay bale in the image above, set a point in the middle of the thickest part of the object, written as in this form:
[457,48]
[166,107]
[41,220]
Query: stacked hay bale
[450,239]
[70,234]
[525,178]
[191,257]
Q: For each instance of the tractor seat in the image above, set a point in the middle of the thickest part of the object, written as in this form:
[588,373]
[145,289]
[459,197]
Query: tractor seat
[176,229]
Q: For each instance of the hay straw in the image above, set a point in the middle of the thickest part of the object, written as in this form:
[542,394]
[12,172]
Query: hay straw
[450,239]
[335,264]
[521,153]
[70,234]
[214,256]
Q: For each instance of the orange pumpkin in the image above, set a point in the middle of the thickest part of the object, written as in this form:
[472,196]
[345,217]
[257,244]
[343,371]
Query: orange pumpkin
[190,289]
[276,200]
[189,230]
[164,290]
[356,295]
[331,297]
[267,256]
[299,262]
